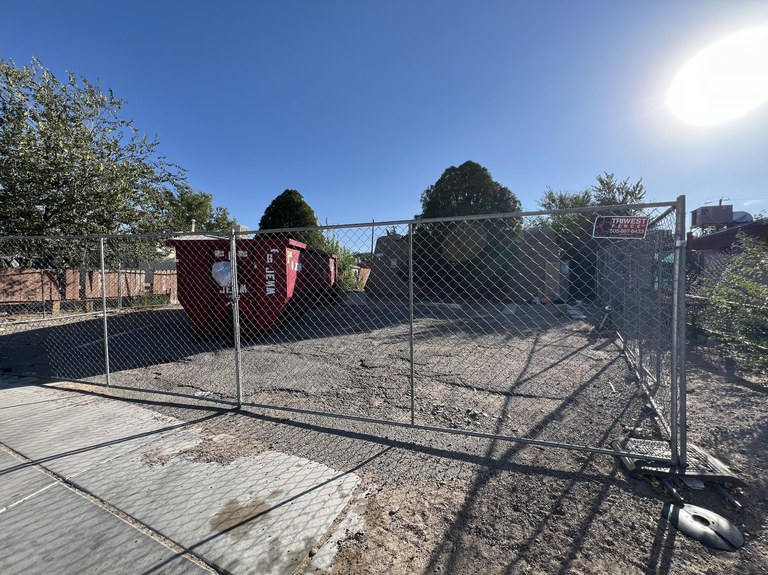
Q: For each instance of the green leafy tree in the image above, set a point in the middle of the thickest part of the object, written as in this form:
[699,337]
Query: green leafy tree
[346,279]
[609,192]
[574,230]
[466,191]
[572,226]
[290,210]
[191,205]
[465,258]
[736,302]
[70,164]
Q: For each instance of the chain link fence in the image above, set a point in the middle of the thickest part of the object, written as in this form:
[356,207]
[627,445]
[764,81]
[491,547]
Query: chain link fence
[521,326]
[727,301]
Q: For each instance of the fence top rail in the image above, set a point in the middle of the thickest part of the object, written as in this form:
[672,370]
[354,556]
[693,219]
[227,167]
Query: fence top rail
[415,221]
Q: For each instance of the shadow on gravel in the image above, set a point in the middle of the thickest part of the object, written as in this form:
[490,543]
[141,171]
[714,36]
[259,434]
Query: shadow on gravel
[456,554]
[660,558]
[713,360]
[487,460]
[73,348]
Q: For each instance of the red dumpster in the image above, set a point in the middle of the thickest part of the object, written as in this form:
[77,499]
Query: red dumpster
[277,279]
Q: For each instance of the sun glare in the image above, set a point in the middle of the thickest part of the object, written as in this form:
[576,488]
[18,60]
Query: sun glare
[724,81]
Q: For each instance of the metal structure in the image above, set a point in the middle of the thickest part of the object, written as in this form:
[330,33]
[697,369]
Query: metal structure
[523,327]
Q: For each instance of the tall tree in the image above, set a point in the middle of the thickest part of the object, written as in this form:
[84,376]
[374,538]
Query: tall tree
[570,227]
[191,205]
[450,257]
[609,192]
[574,230]
[290,210]
[467,190]
[71,164]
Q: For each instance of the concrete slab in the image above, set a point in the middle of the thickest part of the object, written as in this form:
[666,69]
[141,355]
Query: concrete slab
[28,390]
[21,410]
[18,480]
[58,531]
[77,435]
[352,524]
[259,514]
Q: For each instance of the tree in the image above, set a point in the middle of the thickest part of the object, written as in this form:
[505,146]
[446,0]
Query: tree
[464,191]
[576,227]
[346,277]
[290,210]
[609,192]
[70,164]
[191,205]
[574,230]
[573,226]
[736,301]
[452,258]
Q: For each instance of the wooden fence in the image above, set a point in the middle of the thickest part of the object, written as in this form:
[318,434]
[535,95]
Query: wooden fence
[38,286]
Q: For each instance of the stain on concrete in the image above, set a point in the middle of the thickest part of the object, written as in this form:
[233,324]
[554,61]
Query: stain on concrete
[238,519]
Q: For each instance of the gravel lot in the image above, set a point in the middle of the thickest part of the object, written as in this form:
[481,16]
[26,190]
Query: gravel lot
[433,502]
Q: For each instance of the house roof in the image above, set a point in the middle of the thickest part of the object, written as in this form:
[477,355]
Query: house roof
[726,238]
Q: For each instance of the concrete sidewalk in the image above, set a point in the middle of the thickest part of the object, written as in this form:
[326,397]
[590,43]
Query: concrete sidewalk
[94,485]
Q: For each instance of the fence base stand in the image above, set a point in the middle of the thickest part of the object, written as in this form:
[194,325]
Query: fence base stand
[701,464]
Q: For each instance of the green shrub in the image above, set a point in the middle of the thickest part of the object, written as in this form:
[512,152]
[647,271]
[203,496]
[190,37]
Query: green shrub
[736,303]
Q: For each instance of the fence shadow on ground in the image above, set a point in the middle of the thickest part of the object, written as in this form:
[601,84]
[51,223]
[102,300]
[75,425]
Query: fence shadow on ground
[454,554]
[74,349]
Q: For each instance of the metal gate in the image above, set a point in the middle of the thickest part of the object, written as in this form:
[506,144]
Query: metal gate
[557,328]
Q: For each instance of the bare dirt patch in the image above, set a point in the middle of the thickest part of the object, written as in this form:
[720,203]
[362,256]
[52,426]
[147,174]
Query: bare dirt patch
[440,503]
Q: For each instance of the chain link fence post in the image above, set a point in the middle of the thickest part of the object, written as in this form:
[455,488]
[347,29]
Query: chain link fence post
[119,288]
[680,244]
[678,304]
[235,299]
[410,321]
[104,309]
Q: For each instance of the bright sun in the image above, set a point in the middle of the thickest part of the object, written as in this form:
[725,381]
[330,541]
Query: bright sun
[724,81]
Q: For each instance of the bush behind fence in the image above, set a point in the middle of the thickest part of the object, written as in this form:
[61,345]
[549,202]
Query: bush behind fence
[728,301]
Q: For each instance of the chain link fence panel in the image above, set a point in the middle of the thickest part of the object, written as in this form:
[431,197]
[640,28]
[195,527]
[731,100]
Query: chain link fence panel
[50,304]
[518,326]
[727,301]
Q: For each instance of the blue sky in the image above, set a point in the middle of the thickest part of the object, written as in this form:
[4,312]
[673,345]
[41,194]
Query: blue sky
[360,105]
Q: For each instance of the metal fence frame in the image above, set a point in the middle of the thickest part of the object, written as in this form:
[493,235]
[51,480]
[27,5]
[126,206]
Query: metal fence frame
[678,416]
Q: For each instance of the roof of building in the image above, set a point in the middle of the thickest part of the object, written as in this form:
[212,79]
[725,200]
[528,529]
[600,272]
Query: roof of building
[725,238]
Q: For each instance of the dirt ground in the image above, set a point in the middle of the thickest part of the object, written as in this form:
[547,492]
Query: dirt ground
[440,503]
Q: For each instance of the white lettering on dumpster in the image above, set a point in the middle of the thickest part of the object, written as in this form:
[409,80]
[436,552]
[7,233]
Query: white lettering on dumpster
[269,274]
[242,288]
